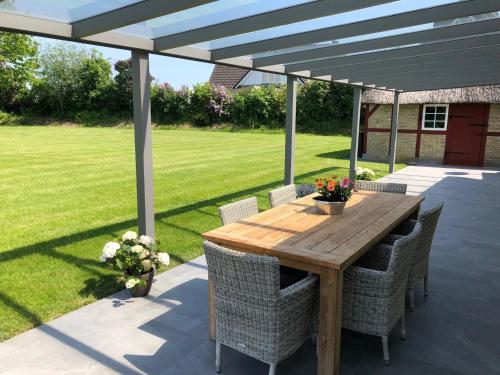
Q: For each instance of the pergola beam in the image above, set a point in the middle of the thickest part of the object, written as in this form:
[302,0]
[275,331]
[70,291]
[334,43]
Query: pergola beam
[356,113]
[458,32]
[128,15]
[291,115]
[403,76]
[398,53]
[141,90]
[484,80]
[438,59]
[394,132]
[374,25]
[279,17]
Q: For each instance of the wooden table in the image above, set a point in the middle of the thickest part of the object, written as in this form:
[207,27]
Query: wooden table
[325,245]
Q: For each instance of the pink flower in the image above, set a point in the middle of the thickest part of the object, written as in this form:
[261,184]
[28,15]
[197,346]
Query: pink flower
[345,183]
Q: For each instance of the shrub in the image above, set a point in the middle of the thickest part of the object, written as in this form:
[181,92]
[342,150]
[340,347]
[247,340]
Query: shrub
[168,105]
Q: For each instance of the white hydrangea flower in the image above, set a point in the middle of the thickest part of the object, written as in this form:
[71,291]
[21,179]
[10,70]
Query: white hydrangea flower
[137,249]
[164,258]
[129,236]
[144,254]
[103,258]
[131,283]
[109,250]
[146,240]
[146,263]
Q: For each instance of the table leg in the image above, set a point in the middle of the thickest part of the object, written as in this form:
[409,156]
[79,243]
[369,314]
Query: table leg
[330,322]
[211,312]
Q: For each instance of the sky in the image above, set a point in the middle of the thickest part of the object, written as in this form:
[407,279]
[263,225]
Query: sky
[177,72]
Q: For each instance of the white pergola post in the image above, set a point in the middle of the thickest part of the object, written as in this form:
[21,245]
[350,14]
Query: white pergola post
[394,132]
[141,90]
[291,112]
[356,111]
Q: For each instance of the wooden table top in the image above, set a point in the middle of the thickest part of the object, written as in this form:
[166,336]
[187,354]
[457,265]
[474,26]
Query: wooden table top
[297,232]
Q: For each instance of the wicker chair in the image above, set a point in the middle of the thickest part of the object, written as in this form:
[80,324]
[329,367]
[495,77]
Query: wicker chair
[240,210]
[384,187]
[374,289]
[420,266]
[282,195]
[233,212]
[305,189]
[253,315]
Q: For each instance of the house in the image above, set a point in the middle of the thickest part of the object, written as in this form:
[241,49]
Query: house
[235,78]
[455,126]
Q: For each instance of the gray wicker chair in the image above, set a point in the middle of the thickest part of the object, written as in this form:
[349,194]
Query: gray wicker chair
[233,212]
[253,315]
[384,187]
[374,289]
[305,189]
[420,266]
[282,195]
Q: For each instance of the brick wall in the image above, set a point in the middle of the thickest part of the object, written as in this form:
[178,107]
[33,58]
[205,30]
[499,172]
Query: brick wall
[408,117]
[494,120]
[381,118]
[432,147]
[378,146]
[405,149]
[492,152]
[492,149]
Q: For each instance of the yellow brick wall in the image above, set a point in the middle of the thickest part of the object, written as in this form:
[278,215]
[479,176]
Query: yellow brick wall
[408,116]
[494,120]
[381,118]
[492,151]
[405,149]
[432,147]
[378,146]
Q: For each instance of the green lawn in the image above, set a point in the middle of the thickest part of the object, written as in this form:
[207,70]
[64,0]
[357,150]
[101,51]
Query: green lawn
[64,192]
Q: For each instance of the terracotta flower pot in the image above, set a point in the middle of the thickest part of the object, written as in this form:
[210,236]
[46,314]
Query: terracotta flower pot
[142,290]
[329,208]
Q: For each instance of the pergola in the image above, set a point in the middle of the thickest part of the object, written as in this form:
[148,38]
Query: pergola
[382,44]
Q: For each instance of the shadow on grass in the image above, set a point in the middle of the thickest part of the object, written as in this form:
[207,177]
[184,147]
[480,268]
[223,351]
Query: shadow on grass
[102,284]
[340,154]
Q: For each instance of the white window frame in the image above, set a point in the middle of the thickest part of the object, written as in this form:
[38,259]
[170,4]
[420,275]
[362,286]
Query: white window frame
[445,118]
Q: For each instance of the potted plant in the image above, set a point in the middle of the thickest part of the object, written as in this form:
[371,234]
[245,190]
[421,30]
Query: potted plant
[365,174]
[333,192]
[137,258]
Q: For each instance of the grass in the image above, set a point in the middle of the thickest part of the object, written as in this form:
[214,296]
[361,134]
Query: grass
[66,191]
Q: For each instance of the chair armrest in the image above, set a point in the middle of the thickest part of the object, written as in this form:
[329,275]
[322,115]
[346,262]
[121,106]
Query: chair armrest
[365,282]
[376,258]
[391,238]
[406,227]
[303,288]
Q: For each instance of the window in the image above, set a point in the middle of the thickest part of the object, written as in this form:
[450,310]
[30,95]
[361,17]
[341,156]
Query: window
[435,117]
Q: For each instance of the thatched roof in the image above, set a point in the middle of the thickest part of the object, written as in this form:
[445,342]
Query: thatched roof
[478,94]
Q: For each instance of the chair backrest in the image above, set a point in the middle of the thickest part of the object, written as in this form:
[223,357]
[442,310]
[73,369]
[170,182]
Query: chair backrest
[428,219]
[282,195]
[384,187]
[233,212]
[305,189]
[243,283]
[402,258]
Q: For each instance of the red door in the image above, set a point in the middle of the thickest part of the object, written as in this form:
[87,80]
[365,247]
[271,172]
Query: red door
[465,142]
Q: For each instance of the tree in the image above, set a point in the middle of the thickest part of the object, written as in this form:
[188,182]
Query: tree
[123,80]
[61,63]
[18,65]
[94,85]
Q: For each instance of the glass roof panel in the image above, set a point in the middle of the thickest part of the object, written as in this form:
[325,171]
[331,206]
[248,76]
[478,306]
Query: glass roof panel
[67,11]
[205,15]
[324,22]
[405,30]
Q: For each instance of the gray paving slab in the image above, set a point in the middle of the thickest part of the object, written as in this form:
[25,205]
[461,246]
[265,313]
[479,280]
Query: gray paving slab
[456,330]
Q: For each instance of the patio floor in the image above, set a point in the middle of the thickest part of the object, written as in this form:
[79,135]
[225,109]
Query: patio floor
[455,330]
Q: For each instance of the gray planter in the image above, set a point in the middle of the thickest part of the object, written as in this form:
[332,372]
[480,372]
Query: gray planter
[329,208]
[143,290]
